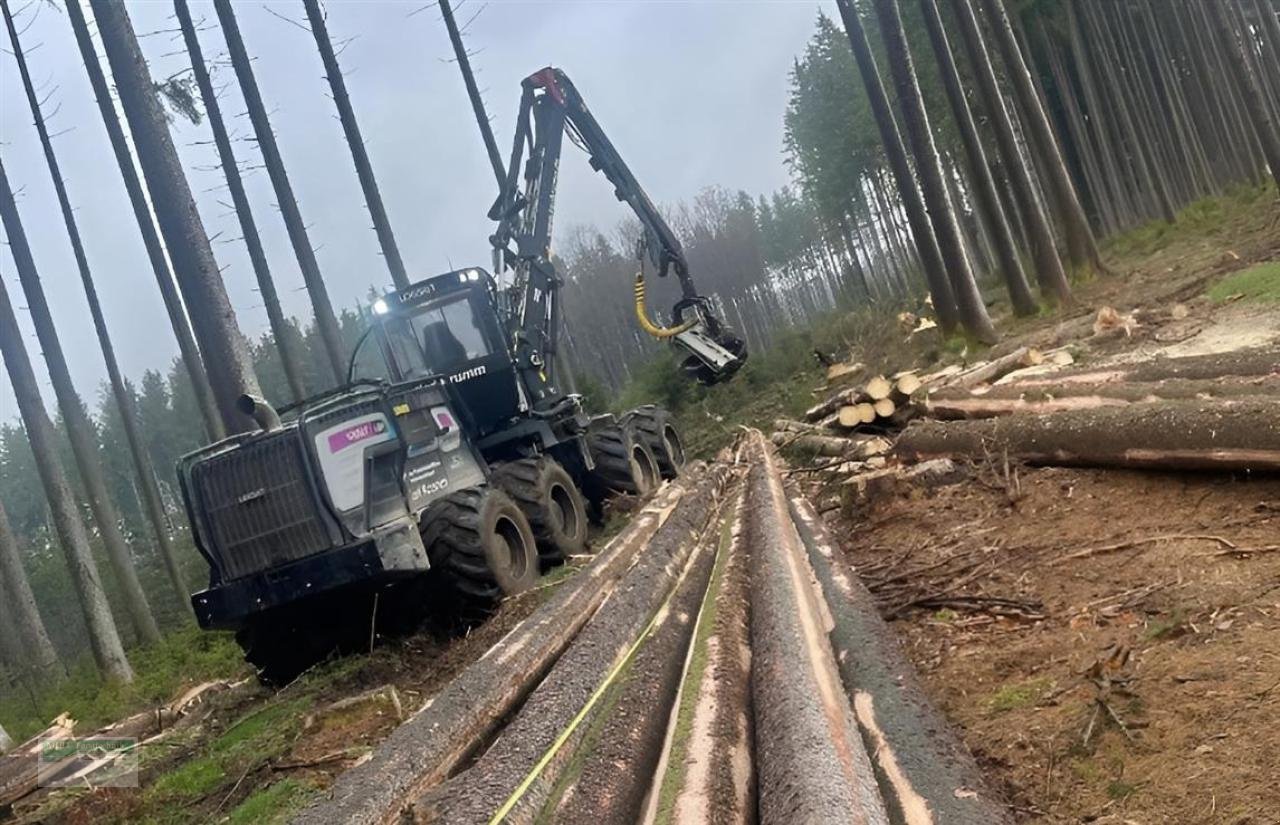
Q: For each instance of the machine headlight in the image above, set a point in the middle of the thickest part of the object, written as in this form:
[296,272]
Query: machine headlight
[380,307]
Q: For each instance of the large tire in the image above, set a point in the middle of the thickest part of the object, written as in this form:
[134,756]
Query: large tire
[481,546]
[545,491]
[623,463]
[653,426]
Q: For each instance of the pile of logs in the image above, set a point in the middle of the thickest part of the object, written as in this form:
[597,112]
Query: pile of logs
[1216,412]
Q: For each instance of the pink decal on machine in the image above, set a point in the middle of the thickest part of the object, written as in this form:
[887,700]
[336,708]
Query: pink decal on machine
[355,434]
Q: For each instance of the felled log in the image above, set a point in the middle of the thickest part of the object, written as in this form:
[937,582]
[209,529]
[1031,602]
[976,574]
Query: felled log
[1239,434]
[1258,361]
[907,384]
[989,371]
[884,407]
[878,388]
[874,485]
[825,408]
[853,415]
[950,404]
[834,446]
[835,372]
[19,768]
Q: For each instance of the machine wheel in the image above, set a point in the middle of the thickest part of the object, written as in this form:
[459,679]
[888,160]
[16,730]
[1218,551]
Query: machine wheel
[551,501]
[623,463]
[482,545]
[653,426]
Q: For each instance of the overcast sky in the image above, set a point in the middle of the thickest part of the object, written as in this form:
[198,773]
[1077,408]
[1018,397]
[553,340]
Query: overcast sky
[691,91]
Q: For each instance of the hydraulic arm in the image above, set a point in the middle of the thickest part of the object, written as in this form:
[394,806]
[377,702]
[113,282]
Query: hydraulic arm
[550,108]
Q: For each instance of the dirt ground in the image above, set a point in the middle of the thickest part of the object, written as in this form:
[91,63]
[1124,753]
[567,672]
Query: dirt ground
[1133,676]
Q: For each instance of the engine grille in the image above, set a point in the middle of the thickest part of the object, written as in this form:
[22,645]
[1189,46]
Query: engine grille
[259,507]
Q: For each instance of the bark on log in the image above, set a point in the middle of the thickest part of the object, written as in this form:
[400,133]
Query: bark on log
[921,764]
[834,402]
[1176,435]
[1258,361]
[425,750]
[950,404]
[834,446]
[991,370]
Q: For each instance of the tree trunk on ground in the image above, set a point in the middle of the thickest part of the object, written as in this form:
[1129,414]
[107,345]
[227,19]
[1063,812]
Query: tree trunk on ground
[108,653]
[148,489]
[1259,361]
[80,431]
[222,347]
[1174,435]
[1050,275]
[178,320]
[1081,244]
[350,128]
[326,323]
[5,741]
[984,185]
[973,313]
[281,331]
[22,618]
[1259,115]
[926,242]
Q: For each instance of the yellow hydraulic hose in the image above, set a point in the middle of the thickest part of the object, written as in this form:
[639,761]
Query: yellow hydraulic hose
[649,326]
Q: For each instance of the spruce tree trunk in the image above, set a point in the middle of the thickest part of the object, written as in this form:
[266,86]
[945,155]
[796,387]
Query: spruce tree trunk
[281,331]
[326,322]
[181,325]
[1259,116]
[935,270]
[473,92]
[222,347]
[22,618]
[1050,274]
[104,640]
[1099,193]
[148,489]
[1202,177]
[350,128]
[1081,244]
[80,431]
[984,185]
[973,313]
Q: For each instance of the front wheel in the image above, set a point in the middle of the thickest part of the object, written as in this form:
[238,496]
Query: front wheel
[481,545]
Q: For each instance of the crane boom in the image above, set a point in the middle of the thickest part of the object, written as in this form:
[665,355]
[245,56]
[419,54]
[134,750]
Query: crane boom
[550,108]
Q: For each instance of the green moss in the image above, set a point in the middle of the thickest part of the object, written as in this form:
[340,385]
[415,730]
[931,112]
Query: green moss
[1259,284]
[1118,790]
[263,728]
[190,781]
[1021,695]
[271,804]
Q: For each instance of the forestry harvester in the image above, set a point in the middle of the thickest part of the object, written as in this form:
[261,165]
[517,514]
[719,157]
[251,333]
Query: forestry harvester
[451,472]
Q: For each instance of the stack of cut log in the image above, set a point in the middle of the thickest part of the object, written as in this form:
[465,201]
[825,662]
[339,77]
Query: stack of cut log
[880,401]
[1203,412]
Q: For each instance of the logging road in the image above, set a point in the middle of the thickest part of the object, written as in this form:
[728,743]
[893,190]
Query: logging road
[716,662]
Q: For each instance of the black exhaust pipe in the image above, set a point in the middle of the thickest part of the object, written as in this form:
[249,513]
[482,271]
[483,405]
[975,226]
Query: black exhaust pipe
[262,412]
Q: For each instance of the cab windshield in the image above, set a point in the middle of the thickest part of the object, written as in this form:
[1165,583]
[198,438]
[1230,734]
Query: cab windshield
[437,338]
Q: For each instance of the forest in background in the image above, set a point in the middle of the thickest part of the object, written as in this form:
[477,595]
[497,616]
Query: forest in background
[1149,113]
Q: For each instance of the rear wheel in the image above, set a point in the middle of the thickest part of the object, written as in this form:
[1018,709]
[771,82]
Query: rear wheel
[623,463]
[482,547]
[546,493]
[653,426]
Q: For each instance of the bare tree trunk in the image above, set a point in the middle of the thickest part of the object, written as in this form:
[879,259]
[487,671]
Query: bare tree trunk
[984,185]
[27,628]
[1247,84]
[473,92]
[84,443]
[326,323]
[178,320]
[350,128]
[926,242]
[104,640]
[281,330]
[223,348]
[1081,244]
[1049,271]
[148,489]
[6,742]
[973,313]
